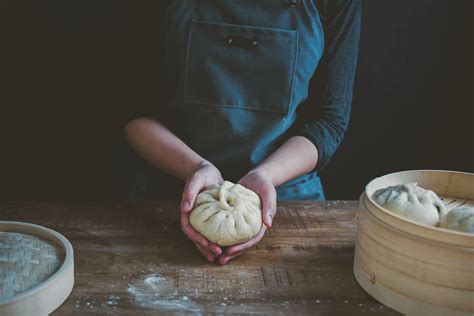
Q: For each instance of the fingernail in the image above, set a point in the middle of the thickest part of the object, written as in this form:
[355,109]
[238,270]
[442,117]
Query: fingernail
[270,219]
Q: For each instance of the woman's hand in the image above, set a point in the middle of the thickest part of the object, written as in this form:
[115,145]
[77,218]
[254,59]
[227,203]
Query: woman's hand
[259,181]
[203,177]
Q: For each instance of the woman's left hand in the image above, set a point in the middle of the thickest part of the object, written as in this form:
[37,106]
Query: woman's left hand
[259,181]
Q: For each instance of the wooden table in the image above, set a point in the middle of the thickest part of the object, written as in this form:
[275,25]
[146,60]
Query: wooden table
[132,258]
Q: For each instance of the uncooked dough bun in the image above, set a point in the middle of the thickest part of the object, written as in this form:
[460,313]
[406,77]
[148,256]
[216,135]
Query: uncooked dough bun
[412,202]
[227,215]
[460,219]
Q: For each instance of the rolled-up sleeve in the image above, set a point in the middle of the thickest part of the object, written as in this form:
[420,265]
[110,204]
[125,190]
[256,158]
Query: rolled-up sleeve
[326,117]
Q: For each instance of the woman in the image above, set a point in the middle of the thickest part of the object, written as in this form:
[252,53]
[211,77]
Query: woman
[238,73]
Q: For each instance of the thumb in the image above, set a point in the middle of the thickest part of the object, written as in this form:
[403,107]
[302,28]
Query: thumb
[268,198]
[191,189]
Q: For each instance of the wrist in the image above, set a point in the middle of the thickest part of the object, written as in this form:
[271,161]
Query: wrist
[194,166]
[264,171]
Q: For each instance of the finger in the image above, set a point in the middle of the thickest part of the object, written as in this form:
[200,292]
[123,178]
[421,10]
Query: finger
[197,237]
[242,247]
[191,233]
[226,258]
[268,198]
[209,255]
[191,190]
[215,248]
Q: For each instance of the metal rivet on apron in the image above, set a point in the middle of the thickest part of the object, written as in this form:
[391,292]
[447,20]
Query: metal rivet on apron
[239,41]
[293,3]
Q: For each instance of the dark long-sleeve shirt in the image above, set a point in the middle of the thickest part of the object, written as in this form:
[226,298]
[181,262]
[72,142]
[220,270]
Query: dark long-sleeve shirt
[324,119]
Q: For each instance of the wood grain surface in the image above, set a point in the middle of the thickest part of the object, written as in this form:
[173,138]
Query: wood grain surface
[132,258]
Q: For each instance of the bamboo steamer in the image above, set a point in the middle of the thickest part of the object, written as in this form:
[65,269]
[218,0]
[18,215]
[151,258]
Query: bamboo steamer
[414,268]
[37,266]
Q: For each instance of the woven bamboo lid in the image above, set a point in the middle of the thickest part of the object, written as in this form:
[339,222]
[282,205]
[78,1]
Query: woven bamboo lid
[36,269]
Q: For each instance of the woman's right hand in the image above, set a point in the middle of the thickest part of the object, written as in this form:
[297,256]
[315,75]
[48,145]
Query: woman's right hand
[204,176]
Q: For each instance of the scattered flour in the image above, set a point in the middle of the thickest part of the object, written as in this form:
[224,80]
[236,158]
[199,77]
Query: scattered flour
[112,301]
[156,292]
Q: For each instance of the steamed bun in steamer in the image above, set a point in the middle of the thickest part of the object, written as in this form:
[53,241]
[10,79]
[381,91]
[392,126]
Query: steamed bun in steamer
[460,219]
[227,214]
[412,202]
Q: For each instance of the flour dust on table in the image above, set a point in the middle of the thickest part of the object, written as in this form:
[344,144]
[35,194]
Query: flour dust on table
[154,291]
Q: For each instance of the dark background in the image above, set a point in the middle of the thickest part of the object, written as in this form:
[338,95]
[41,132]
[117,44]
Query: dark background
[73,72]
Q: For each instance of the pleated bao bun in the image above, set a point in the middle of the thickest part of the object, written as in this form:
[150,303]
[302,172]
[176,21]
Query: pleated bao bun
[227,214]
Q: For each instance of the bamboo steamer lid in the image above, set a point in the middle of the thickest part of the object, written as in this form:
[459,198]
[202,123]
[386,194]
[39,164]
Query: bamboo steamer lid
[36,269]
[414,268]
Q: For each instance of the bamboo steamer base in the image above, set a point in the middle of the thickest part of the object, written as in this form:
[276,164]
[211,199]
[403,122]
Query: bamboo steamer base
[41,298]
[413,268]
[396,300]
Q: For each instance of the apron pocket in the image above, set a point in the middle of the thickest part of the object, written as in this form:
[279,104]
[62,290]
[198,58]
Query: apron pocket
[240,66]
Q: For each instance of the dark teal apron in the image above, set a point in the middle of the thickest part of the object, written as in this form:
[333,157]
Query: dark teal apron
[241,68]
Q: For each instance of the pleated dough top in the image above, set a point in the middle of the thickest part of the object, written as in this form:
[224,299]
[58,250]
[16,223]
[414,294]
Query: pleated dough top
[460,219]
[412,202]
[227,214]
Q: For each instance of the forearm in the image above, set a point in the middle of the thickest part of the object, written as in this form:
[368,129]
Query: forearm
[161,148]
[324,117]
[294,158]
